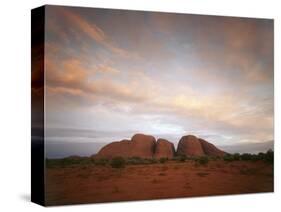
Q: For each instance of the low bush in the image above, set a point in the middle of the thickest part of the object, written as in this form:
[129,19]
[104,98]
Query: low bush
[236,156]
[118,162]
[68,161]
[151,160]
[50,163]
[180,158]
[269,156]
[214,158]
[101,162]
[255,157]
[246,156]
[135,161]
[163,160]
[228,157]
[261,155]
[203,160]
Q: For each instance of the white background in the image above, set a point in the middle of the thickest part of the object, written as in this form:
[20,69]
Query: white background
[15,105]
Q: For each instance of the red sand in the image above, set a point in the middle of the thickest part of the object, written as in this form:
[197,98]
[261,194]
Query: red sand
[88,184]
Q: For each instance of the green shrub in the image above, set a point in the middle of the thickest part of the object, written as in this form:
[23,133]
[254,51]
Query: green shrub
[135,160]
[261,155]
[269,156]
[214,158]
[101,162]
[236,156]
[92,159]
[68,161]
[118,162]
[228,157]
[151,160]
[203,160]
[163,160]
[246,156]
[180,158]
[255,157]
[50,163]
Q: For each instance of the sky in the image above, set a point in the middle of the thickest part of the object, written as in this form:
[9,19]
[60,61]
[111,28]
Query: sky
[113,73]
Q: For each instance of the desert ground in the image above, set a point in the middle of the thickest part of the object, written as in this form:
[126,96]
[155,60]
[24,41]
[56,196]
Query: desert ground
[89,183]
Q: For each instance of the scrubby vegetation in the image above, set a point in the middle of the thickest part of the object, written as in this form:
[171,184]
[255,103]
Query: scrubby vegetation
[69,161]
[119,162]
[267,157]
[228,157]
[140,161]
[180,158]
[203,160]
[236,156]
[101,162]
[163,160]
[135,161]
[151,161]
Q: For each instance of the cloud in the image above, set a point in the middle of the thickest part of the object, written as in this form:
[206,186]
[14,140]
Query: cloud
[231,49]
[72,78]
[227,111]
[106,69]
[95,33]
[202,75]
[249,147]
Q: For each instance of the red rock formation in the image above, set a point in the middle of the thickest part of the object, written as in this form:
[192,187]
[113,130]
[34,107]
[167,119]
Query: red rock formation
[164,149]
[210,149]
[143,146]
[140,146]
[114,149]
[190,146]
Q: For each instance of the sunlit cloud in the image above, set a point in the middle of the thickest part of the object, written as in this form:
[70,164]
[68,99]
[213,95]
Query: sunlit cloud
[162,74]
[94,32]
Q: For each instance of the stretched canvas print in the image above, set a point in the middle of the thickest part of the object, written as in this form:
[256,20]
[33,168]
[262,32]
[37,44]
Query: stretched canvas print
[135,105]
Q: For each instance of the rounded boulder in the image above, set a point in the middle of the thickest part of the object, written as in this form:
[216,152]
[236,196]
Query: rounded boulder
[164,149]
[190,146]
[142,146]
